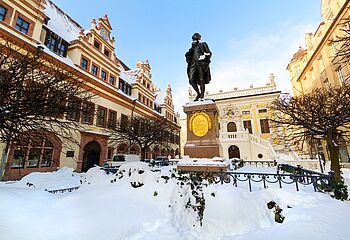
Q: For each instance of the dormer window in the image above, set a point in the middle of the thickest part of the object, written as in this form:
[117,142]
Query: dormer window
[56,44]
[106,52]
[97,45]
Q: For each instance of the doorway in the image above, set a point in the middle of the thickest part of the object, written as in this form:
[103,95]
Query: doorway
[91,156]
[233,152]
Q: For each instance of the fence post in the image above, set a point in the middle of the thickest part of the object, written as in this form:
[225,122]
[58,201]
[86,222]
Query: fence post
[331,179]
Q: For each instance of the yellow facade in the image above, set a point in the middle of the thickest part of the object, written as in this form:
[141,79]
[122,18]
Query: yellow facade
[314,66]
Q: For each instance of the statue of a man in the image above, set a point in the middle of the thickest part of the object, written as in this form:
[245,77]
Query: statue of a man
[198,59]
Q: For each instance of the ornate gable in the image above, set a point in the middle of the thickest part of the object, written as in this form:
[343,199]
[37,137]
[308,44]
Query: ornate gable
[103,29]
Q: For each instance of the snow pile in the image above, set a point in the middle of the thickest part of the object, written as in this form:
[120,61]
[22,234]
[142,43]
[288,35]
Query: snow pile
[216,161]
[141,203]
[62,178]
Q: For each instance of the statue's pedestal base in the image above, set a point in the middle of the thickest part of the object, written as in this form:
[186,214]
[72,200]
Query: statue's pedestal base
[202,130]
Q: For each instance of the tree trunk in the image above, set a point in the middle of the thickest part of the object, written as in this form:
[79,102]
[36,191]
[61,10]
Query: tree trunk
[143,153]
[334,156]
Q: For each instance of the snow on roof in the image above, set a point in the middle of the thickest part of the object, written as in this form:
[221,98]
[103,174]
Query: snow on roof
[130,75]
[160,97]
[61,23]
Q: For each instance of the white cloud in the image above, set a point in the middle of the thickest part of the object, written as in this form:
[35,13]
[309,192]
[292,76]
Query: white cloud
[252,60]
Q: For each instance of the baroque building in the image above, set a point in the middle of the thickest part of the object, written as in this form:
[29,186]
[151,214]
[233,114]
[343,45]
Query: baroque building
[244,128]
[315,66]
[120,91]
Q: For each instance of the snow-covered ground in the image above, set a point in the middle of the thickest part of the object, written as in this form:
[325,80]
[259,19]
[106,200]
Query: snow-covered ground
[108,207]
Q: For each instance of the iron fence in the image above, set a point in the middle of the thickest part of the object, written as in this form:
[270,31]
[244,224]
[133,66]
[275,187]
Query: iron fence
[71,189]
[319,182]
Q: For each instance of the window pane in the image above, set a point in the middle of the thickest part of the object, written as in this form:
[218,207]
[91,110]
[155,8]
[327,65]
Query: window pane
[104,75]
[47,157]
[22,25]
[248,125]
[37,142]
[18,157]
[84,63]
[264,124]
[94,70]
[34,156]
[111,80]
[101,117]
[2,13]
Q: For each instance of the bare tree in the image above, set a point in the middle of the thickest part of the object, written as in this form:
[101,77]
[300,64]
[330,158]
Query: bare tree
[323,113]
[37,95]
[145,132]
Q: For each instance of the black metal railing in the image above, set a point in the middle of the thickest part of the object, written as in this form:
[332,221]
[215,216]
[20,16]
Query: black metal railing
[319,182]
[63,190]
[109,170]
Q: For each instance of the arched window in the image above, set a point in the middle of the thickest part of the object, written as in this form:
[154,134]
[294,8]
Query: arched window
[231,127]
[32,152]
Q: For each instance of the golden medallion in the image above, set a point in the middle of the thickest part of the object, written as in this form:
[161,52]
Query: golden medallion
[200,123]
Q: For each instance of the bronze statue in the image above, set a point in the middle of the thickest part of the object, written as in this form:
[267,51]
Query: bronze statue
[198,59]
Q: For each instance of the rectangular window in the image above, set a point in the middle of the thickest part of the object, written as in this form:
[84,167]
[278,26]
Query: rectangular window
[18,157]
[74,105]
[264,125]
[51,42]
[2,13]
[84,63]
[94,70]
[97,45]
[124,120]
[103,75]
[247,125]
[34,156]
[56,44]
[112,119]
[22,25]
[106,52]
[101,116]
[262,110]
[61,49]
[246,112]
[46,158]
[111,80]
[87,115]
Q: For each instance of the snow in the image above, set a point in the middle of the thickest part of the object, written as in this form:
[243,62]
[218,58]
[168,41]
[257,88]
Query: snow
[130,76]
[108,207]
[60,23]
[186,161]
[200,102]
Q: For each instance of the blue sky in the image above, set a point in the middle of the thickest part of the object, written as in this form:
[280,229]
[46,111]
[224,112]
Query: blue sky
[249,39]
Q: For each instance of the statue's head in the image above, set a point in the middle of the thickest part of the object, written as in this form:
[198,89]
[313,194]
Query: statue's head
[196,36]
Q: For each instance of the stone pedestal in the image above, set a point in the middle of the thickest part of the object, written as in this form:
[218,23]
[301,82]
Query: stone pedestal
[202,130]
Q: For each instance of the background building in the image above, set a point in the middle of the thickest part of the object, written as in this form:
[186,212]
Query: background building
[315,66]
[120,91]
[245,129]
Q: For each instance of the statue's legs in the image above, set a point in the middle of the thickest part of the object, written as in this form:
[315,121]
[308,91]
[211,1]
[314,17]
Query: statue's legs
[195,87]
[202,87]
[201,81]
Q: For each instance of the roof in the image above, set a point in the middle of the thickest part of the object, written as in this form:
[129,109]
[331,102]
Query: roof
[131,75]
[61,23]
[299,54]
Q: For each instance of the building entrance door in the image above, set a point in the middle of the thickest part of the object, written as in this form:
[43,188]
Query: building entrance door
[233,152]
[91,156]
